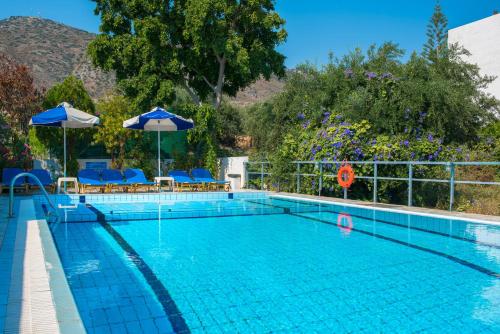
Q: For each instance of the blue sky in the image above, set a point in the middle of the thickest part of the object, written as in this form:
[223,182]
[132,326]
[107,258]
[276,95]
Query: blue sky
[315,27]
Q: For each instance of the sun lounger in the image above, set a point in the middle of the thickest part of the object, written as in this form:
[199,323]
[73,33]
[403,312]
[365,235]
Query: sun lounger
[44,177]
[89,179]
[183,181]
[8,175]
[204,176]
[113,179]
[137,180]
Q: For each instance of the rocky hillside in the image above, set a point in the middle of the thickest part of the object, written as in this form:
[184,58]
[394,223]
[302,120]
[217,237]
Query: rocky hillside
[53,51]
[259,91]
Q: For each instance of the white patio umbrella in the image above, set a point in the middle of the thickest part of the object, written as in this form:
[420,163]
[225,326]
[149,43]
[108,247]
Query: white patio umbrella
[159,120]
[64,116]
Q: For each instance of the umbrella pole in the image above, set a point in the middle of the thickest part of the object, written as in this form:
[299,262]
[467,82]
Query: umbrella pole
[65,183]
[159,170]
[64,128]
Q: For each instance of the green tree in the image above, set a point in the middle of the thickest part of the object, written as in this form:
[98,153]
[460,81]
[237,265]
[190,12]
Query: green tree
[113,110]
[303,97]
[228,124]
[437,35]
[416,98]
[203,138]
[71,90]
[209,47]
[259,121]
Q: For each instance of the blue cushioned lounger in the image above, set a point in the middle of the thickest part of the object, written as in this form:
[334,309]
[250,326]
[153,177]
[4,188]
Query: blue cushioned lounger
[137,179]
[90,179]
[183,181]
[204,176]
[113,178]
[44,177]
[8,175]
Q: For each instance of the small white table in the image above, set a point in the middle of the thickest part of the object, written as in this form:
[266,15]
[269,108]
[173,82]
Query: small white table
[64,180]
[160,179]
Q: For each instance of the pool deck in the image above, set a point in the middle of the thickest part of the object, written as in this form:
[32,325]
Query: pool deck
[34,294]
[495,220]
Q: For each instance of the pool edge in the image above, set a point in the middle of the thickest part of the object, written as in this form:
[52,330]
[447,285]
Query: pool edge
[417,211]
[68,317]
[39,297]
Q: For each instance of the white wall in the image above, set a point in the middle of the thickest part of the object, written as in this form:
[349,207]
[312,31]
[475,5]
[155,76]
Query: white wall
[482,39]
[232,165]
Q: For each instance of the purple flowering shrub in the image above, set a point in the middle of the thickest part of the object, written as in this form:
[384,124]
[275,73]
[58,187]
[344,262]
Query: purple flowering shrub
[377,106]
[334,140]
[337,140]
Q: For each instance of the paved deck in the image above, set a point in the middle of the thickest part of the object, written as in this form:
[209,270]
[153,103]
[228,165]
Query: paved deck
[33,299]
[410,209]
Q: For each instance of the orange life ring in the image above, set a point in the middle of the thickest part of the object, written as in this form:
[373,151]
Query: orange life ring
[346,169]
[347,228]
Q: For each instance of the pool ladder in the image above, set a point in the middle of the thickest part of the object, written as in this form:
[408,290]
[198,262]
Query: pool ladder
[50,214]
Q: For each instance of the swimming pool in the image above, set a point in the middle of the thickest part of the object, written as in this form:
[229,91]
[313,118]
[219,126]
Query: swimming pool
[260,263]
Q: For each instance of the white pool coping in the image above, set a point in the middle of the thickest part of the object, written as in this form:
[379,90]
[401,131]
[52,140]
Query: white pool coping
[493,220]
[40,300]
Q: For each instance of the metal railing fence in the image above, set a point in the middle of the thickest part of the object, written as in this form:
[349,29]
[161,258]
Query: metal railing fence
[410,179]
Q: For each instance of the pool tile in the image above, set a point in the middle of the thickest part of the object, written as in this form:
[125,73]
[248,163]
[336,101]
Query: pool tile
[279,272]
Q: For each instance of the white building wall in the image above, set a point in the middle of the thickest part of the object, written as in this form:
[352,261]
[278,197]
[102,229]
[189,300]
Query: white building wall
[482,39]
[233,166]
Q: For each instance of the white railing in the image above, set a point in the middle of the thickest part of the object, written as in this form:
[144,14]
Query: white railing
[410,179]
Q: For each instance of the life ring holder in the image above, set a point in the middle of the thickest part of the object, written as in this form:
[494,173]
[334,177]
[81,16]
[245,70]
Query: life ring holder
[342,217]
[345,170]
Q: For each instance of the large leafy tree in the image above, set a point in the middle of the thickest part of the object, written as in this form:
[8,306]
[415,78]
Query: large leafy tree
[71,90]
[209,47]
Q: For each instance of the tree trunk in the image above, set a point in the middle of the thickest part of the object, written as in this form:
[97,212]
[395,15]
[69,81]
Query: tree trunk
[220,82]
[196,99]
[217,89]
[121,155]
[113,159]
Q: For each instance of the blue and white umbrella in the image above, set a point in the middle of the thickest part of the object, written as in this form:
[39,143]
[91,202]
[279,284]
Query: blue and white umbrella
[159,120]
[65,116]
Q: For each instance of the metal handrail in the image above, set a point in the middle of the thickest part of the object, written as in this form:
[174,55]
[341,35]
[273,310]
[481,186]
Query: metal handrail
[381,162]
[11,192]
[450,166]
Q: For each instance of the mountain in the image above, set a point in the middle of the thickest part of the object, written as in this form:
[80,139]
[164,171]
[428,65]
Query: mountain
[53,51]
[259,91]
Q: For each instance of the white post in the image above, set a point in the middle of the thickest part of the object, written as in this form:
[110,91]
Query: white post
[452,185]
[410,184]
[159,170]
[159,225]
[64,129]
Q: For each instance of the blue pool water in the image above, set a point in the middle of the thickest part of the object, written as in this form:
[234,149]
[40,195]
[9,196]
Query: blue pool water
[263,265]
